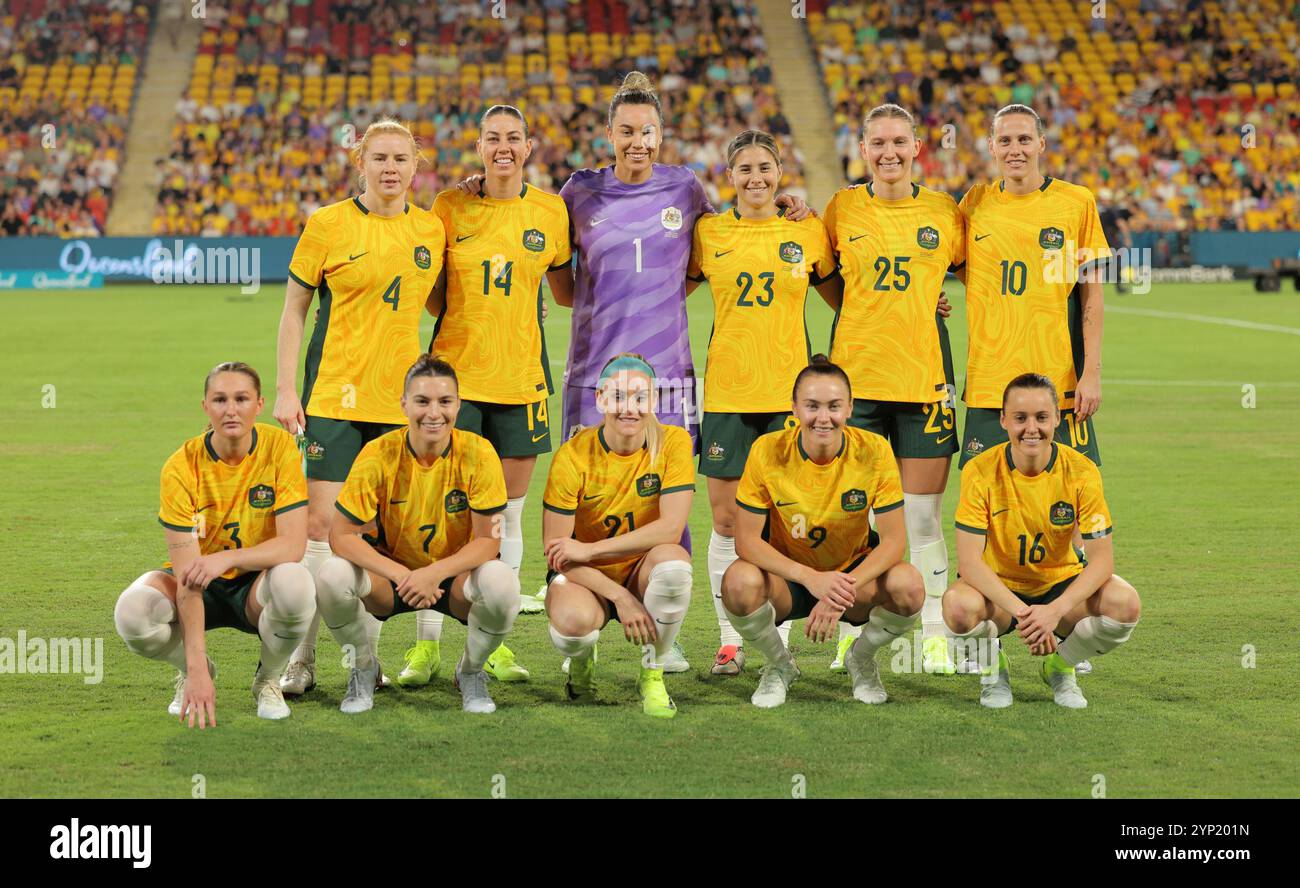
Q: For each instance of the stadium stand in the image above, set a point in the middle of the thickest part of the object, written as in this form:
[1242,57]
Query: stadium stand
[257,140]
[1179,115]
[67,80]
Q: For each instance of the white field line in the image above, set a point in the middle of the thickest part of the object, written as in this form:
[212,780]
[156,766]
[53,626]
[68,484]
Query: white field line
[1203,319]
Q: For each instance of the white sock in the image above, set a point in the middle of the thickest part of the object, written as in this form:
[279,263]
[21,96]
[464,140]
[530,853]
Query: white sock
[577,646]
[428,625]
[667,596]
[374,626]
[288,599]
[759,630]
[149,624]
[784,631]
[722,554]
[493,593]
[512,534]
[1092,637]
[979,644]
[929,555]
[318,552]
[340,586]
[882,627]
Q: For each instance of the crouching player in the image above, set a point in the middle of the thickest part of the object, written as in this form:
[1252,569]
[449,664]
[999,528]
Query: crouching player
[616,503]
[805,543]
[232,510]
[427,498]
[1020,504]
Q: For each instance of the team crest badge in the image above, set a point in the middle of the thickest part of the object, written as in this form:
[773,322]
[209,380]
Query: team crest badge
[927,237]
[456,501]
[647,485]
[853,500]
[1061,514]
[974,446]
[791,252]
[715,452]
[261,497]
[534,240]
[315,451]
[422,256]
[1051,238]
[671,218]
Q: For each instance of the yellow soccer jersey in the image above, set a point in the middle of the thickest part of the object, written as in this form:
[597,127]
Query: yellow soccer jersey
[232,507]
[609,494]
[374,276]
[1023,254]
[422,513]
[1028,523]
[759,272]
[893,255]
[817,515]
[497,253]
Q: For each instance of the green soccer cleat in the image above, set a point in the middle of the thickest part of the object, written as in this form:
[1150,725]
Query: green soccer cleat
[934,657]
[582,676]
[654,696]
[422,664]
[995,687]
[837,665]
[502,666]
[1059,676]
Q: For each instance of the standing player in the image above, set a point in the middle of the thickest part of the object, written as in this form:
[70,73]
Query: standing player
[232,512]
[1021,503]
[426,495]
[806,545]
[632,224]
[501,240]
[1030,306]
[617,499]
[374,260]
[759,267]
[895,241]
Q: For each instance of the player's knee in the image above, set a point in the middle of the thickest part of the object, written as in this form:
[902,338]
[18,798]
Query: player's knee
[907,592]
[140,616]
[318,526]
[724,525]
[959,612]
[666,553]
[496,587]
[1121,601]
[571,622]
[742,589]
[335,581]
[672,578]
[290,589]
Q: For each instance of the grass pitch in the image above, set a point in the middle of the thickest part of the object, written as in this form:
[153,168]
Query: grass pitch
[1202,488]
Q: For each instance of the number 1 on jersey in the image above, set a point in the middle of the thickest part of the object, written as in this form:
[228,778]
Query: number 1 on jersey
[637,243]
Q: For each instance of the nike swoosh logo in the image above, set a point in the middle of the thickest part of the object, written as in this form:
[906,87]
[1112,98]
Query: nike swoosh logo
[592,497]
[791,503]
[200,509]
[396,502]
[937,572]
[980,237]
[358,256]
[944,438]
[856,237]
[537,438]
[1000,511]
[595,222]
[717,255]
[461,237]
[285,637]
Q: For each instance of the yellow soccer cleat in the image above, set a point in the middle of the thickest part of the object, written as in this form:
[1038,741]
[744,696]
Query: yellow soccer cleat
[582,676]
[837,665]
[502,666]
[654,696]
[422,664]
[934,657]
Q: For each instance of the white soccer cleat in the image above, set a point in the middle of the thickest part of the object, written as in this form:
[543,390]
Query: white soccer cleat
[299,677]
[1083,667]
[1058,676]
[865,673]
[361,690]
[676,660]
[178,699]
[774,680]
[995,688]
[474,696]
[270,700]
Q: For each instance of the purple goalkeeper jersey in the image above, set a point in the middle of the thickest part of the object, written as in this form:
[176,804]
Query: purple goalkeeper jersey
[633,243]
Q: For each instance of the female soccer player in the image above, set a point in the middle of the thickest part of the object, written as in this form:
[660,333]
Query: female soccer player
[617,499]
[805,544]
[759,267]
[895,241]
[426,495]
[1021,503]
[231,512]
[501,240]
[374,260]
